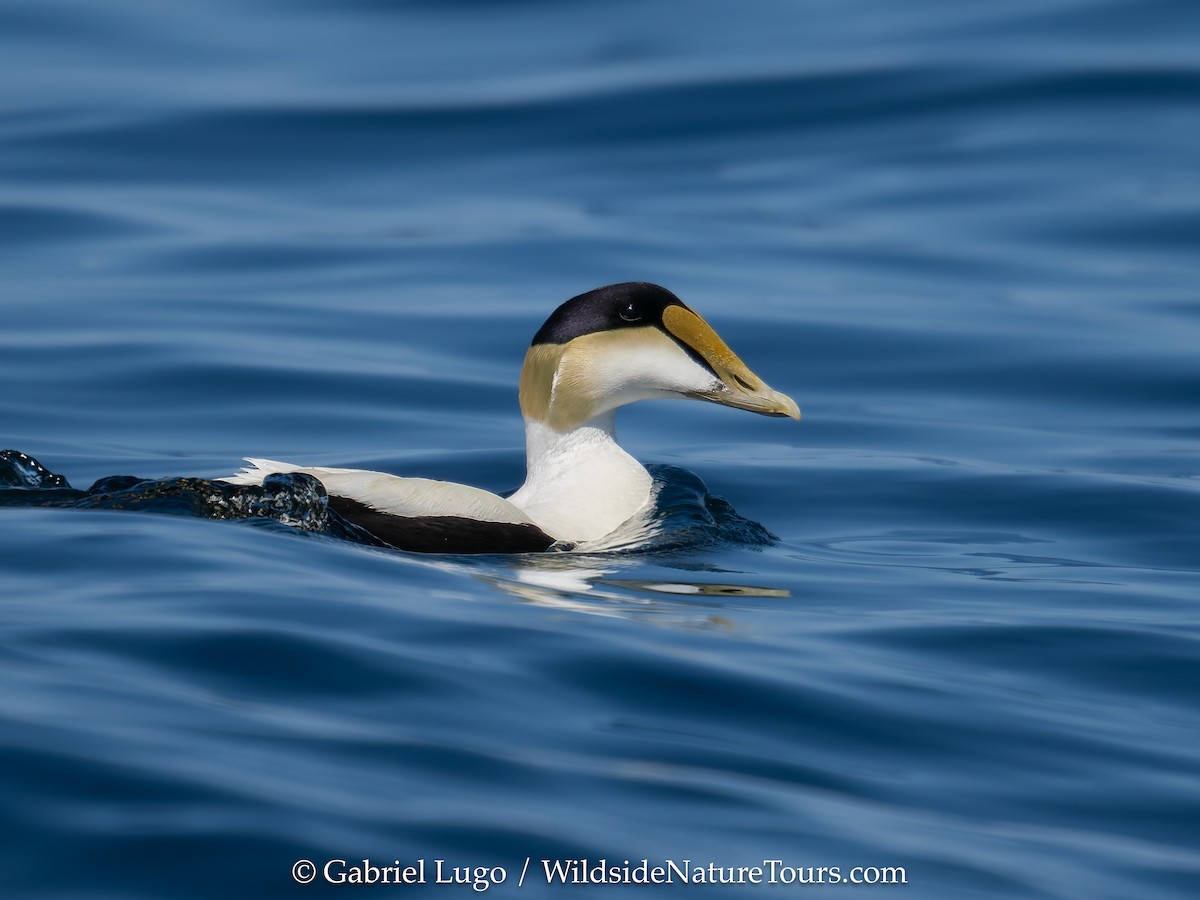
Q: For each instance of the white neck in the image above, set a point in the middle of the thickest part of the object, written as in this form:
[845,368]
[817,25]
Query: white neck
[580,485]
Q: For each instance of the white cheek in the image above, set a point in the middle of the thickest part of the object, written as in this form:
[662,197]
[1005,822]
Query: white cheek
[628,374]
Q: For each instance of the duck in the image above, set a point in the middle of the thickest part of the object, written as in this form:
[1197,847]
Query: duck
[597,352]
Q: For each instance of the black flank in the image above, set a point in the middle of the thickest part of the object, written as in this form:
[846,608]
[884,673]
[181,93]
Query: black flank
[442,534]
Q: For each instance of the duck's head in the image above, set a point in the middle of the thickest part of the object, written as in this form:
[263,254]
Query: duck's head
[634,341]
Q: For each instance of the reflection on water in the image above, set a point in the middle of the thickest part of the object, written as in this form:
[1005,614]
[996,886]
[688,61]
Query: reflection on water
[588,591]
[699,588]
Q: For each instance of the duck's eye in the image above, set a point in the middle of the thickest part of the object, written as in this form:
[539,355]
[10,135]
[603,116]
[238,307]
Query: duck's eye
[629,313]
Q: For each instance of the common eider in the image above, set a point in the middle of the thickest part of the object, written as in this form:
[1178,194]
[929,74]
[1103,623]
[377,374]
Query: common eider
[597,352]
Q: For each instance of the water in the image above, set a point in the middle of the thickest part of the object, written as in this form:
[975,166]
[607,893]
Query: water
[962,236]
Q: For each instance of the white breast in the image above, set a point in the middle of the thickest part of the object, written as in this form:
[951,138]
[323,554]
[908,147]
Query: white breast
[580,484]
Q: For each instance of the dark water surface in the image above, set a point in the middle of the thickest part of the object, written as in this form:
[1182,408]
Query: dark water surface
[966,237]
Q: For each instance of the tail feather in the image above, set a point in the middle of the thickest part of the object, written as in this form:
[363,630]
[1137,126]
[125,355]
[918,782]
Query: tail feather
[258,470]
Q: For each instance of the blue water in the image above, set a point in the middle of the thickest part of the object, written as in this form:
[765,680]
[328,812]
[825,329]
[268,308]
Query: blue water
[963,236]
